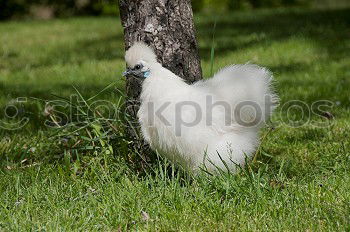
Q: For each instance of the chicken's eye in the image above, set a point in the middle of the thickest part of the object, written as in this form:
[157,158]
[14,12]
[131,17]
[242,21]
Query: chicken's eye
[137,66]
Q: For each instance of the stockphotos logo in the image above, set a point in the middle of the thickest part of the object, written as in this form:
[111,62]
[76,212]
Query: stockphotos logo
[175,115]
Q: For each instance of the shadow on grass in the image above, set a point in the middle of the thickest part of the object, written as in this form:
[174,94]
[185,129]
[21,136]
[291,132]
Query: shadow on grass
[326,28]
[33,106]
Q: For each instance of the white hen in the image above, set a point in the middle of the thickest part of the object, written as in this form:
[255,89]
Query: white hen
[212,123]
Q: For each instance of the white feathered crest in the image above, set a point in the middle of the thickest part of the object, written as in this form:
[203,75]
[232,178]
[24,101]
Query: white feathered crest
[139,51]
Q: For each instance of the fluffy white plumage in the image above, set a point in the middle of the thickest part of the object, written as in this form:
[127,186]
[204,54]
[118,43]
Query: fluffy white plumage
[216,138]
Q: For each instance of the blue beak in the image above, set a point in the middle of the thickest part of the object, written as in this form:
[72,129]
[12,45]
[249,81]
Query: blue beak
[127,72]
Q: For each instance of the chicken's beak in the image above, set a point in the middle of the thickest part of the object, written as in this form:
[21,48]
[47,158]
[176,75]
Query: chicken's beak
[127,72]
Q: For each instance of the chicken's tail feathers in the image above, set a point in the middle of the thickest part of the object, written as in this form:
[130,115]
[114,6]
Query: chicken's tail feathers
[249,89]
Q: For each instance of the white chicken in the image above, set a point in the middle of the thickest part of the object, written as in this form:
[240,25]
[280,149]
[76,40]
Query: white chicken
[211,124]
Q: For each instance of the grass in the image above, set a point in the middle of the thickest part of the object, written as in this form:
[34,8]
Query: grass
[300,180]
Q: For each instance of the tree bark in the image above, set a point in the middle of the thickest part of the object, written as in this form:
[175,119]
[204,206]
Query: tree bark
[167,26]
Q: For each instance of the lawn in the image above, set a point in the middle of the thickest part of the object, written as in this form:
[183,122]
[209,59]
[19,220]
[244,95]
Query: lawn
[299,181]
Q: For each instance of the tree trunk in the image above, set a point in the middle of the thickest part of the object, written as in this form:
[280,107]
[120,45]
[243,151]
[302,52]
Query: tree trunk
[167,26]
